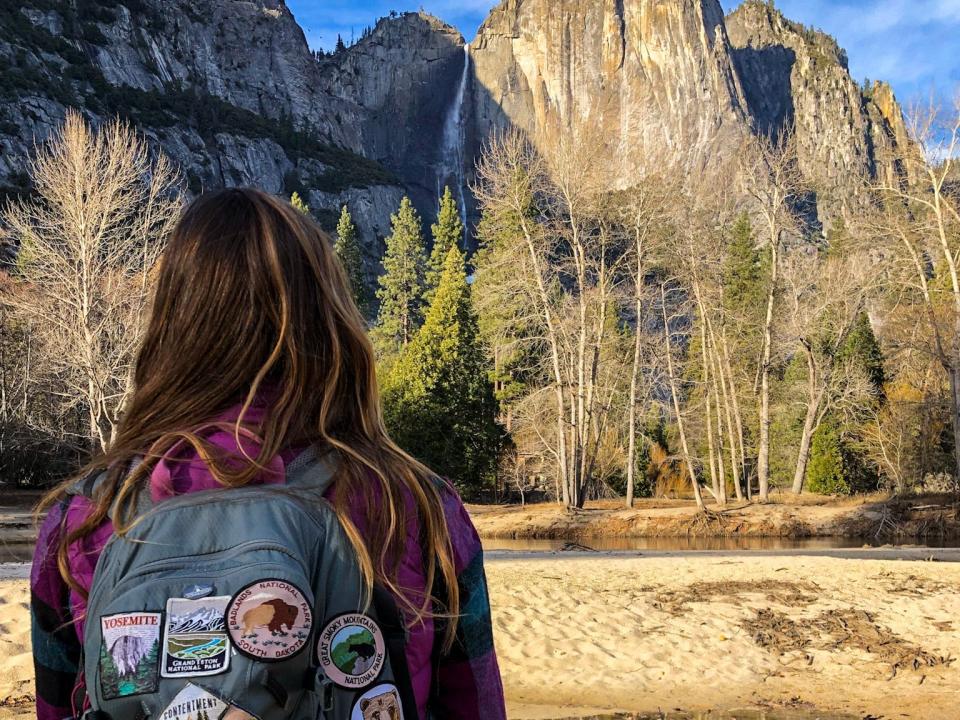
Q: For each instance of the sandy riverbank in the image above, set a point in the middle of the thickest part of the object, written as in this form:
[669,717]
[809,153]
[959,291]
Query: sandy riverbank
[875,517]
[865,637]
[859,636]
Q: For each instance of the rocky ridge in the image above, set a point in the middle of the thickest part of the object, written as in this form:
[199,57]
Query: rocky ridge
[796,77]
[232,92]
[229,90]
[647,74]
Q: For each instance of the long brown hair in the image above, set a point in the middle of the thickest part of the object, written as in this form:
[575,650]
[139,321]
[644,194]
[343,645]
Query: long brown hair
[251,298]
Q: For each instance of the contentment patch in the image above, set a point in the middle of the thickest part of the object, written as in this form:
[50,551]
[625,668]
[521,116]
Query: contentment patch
[378,703]
[351,650]
[195,703]
[195,638]
[129,653]
[269,620]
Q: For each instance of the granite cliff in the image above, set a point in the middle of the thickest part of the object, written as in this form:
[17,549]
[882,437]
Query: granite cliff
[646,73]
[232,92]
[677,73]
[797,77]
[397,83]
[229,89]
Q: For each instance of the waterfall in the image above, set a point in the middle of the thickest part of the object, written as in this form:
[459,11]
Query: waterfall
[452,155]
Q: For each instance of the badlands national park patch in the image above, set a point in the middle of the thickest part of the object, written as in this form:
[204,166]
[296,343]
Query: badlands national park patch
[269,620]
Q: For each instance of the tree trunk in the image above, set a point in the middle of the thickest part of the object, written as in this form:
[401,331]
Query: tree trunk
[711,448]
[803,454]
[716,399]
[763,451]
[632,421]
[4,414]
[26,371]
[728,410]
[815,397]
[562,450]
[738,419]
[676,404]
[955,394]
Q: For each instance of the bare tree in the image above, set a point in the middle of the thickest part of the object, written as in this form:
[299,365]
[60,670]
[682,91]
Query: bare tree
[646,216]
[675,396]
[770,176]
[824,294]
[88,241]
[920,224]
[556,206]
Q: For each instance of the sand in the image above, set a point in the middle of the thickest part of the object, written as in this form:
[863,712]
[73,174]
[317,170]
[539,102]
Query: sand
[16,663]
[595,633]
[869,638]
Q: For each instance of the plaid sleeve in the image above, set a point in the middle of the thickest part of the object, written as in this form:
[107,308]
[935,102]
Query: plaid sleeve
[56,647]
[468,684]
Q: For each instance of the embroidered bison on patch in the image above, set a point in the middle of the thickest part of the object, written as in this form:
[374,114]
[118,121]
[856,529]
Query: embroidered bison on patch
[273,614]
[381,707]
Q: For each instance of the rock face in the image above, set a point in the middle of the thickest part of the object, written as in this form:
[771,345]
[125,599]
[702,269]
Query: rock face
[399,82]
[231,91]
[645,73]
[797,77]
[228,89]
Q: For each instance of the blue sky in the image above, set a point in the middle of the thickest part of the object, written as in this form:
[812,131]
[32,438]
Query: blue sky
[914,44]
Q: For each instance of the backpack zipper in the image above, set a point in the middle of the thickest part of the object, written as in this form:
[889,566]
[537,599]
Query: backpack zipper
[189,561]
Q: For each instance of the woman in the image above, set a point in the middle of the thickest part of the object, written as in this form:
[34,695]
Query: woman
[255,352]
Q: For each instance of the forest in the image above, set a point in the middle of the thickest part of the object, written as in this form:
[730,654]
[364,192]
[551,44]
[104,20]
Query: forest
[698,330]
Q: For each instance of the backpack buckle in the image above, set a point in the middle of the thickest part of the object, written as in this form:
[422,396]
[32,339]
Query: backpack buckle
[95,715]
[323,686]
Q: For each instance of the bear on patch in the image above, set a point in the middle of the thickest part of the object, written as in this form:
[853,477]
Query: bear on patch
[272,614]
[381,707]
[364,650]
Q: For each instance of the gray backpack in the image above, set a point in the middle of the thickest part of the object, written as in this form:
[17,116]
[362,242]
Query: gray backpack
[242,603]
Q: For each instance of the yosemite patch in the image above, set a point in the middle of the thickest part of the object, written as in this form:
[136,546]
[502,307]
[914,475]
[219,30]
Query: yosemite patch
[351,650]
[269,620]
[129,654]
[195,638]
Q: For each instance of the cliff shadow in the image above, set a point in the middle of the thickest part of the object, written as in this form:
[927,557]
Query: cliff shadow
[766,75]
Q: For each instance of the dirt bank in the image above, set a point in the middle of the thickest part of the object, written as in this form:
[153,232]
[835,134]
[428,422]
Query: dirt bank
[916,518]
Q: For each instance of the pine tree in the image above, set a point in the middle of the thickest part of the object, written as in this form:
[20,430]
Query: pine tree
[863,350]
[347,248]
[744,275]
[438,400]
[827,472]
[340,45]
[447,233]
[109,676]
[299,203]
[401,285]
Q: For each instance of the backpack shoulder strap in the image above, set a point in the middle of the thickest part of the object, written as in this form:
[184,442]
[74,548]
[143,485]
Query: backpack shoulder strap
[87,486]
[312,470]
